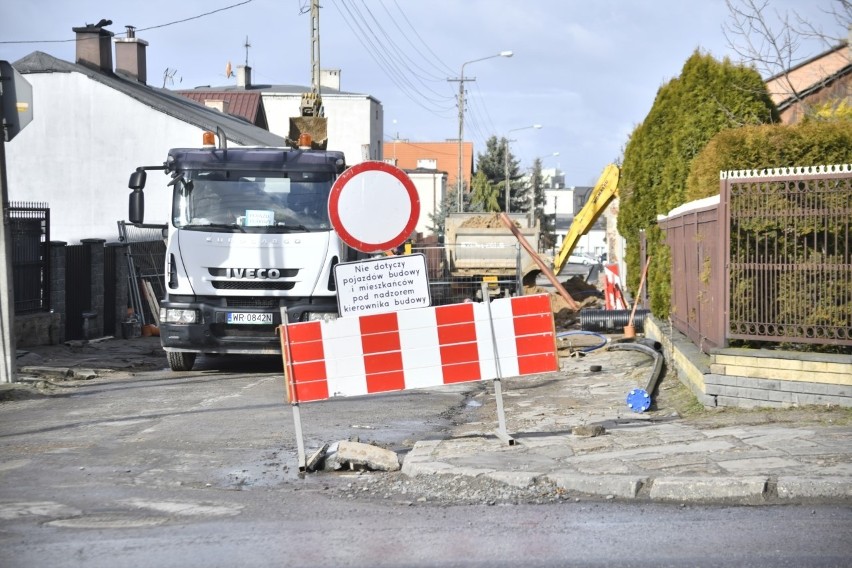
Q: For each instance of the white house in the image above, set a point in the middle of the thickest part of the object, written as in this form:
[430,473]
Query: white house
[355,121]
[431,186]
[93,125]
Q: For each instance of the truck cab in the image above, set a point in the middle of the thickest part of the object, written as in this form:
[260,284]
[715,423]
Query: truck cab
[248,239]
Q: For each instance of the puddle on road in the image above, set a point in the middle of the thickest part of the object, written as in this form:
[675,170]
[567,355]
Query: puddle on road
[108,521]
[140,514]
[270,470]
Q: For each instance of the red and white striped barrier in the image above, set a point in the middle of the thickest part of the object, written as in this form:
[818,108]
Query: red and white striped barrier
[613,298]
[419,348]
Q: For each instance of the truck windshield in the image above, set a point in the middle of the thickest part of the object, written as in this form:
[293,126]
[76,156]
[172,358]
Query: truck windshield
[237,202]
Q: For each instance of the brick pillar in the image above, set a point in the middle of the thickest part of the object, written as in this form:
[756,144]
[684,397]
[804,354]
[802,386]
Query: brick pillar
[57,289]
[120,284]
[96,254]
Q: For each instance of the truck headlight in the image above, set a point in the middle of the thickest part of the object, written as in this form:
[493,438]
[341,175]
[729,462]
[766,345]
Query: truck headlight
[321,316]
[171,315]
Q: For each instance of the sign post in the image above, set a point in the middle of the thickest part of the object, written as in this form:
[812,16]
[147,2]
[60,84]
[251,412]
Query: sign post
[16,111]
[374,207]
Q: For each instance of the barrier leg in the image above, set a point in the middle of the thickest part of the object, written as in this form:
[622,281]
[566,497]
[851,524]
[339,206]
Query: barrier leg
[498,388]
[300,441]
[501,415]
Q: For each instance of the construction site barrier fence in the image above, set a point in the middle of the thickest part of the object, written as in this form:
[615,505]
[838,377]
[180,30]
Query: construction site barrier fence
[419,348]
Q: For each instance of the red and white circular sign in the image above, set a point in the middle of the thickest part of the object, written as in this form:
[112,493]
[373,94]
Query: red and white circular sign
[373,206]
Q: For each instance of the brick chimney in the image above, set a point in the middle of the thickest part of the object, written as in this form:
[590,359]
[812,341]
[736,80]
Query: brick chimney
[130,56]
[94,46]
[243,76]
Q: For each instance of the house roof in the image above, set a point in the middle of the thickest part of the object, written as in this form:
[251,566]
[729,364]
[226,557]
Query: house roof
[282,89]
[162,100]
[809,76]
[405,155]
[244,104]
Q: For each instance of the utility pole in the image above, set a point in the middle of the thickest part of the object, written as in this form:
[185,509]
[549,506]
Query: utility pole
[460,177]
[461,80]
[315,48]
[8,343]
[16,111]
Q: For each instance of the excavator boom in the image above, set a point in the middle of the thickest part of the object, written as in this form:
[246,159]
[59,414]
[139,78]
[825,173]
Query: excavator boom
[602,195]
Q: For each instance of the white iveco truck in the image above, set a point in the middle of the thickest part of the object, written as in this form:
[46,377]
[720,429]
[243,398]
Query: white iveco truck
[249,234]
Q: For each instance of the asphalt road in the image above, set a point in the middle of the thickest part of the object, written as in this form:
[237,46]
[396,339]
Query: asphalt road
[199,469]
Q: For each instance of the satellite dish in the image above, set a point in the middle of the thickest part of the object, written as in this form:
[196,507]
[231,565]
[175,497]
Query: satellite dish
[228,73]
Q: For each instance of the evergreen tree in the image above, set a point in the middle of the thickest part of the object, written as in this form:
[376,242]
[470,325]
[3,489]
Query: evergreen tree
[448,205]
[492,163]
[484,195]
[546,223]
[709,96]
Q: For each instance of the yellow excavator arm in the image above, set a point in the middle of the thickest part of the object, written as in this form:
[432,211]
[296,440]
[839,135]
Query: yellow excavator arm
[602,195]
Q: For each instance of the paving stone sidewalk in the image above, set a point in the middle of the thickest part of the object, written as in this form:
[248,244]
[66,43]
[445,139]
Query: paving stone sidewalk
[654,455]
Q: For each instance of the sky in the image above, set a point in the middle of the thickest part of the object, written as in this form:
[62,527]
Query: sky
[587,71]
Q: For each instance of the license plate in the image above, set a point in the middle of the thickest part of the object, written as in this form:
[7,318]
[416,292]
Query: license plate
[249,318]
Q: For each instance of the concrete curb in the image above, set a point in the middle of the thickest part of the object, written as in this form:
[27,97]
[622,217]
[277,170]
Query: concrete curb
[722,488]
[834,488]
[623,486]
[425,460]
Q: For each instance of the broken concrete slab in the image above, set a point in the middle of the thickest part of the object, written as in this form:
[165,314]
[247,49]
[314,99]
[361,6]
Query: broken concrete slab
[58,372]
[367,456]
[316,458]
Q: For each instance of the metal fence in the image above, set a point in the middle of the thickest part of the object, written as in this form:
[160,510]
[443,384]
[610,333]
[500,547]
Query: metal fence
[449,283]
[698,272]
[146,261]
[78,289]
[29,229]
[789,239]
[771,261]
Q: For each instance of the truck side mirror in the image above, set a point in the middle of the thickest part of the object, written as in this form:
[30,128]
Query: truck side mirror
[137,179]
[136,208]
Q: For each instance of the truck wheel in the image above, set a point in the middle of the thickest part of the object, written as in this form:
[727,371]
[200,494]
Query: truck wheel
[181,361]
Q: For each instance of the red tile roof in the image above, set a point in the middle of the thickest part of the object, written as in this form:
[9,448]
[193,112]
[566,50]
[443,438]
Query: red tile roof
[247,105]
[405,155]
[825,75]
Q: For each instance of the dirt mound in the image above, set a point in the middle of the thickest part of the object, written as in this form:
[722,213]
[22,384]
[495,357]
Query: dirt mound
[585,294]
[486,221]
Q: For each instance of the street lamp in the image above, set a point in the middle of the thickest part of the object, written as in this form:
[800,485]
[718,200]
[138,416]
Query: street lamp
[461,80]
[506,156]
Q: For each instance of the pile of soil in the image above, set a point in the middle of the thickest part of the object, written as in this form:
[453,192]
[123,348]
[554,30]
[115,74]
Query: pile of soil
[585,294]
[485,221]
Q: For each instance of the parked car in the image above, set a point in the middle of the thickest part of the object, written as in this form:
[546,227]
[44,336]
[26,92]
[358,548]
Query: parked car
[581,259]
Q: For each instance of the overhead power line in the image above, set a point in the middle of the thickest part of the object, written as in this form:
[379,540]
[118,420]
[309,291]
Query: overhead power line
[399,72]
[137,29]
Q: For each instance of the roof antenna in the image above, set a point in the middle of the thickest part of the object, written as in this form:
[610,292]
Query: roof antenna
[247,45]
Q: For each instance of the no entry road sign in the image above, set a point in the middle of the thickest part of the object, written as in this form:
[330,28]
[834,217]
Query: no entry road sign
[373,206]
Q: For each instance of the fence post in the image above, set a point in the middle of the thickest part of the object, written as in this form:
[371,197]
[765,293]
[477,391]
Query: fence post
[724,225]
[119,285]
[57,289]
[96,256]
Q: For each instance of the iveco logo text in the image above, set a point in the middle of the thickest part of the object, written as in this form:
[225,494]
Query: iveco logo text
[252,273]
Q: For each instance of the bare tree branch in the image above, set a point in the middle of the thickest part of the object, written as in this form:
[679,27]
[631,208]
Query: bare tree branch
[773,50]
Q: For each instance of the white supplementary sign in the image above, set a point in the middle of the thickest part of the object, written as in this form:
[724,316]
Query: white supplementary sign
[382,285]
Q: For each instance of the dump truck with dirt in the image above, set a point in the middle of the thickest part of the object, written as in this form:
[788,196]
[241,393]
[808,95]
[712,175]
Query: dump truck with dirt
[480,248]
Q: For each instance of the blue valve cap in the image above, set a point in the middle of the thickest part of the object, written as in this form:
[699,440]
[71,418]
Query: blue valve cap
[638,400]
